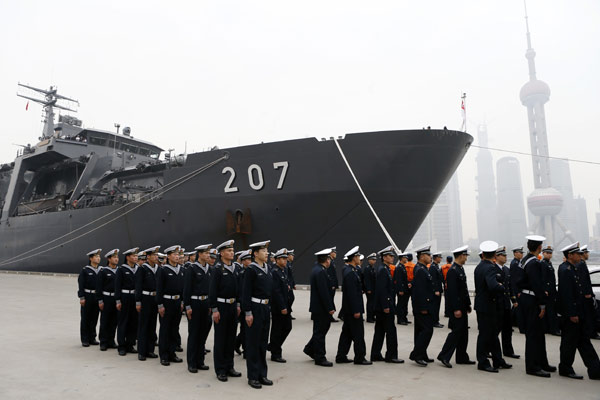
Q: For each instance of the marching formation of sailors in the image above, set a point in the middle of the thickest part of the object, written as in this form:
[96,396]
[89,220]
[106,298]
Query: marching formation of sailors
[218,288]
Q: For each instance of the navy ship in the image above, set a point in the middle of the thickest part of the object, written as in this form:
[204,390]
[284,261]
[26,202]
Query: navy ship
[80,188]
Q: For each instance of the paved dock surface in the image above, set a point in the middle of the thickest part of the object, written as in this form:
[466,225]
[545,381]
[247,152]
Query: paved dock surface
[41,357]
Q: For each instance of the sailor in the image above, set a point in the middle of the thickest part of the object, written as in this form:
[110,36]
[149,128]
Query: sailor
[291,280]
[245,261]
[438,286]
[145,303]
[213,257]
[182,261]
[282,320]
[87,299]
[590,300]
[516,273]
[141,259]
[195,299]
[224,302]
[369,285]
[353,330]
[551,320]
[169,288]
[162,259]
[191,258]
[505,305]
[321,308]
[533,301]
[459,307]
[256,304]
[401,285]
[333,278]
[571,302]
[445,269]
[409,265]
[127,324]
[488,288]
[385,295]
[423,301]
[105,293]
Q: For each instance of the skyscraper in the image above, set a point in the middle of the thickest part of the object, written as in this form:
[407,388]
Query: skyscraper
[486,189]
[512,225]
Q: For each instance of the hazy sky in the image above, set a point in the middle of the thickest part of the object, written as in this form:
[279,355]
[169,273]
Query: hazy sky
[238,72]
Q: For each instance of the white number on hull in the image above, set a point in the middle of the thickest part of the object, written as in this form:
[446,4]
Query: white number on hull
[278,165]
[256,183]
[228,187]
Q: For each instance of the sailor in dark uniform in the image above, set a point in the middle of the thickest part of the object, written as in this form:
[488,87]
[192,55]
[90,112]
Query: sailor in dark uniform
[195,300]
[571,303]
[291,280]
[87,299]
[438,286]
[551,319]
[401,282]
[127,324]
[256,304]
[353,330]
[533,301]
[516,273]
[369,285]
[385,294]
[505,305]
[423,301]
[590,300]
[105,293]
[333,278]
[145,303]
[169,289]
[282,320]
[224,302]
[213,258]
[182,261]
[321,308]
[459,306]
[162,259]
[245,259]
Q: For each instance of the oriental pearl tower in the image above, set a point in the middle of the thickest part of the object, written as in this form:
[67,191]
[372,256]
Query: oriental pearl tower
[544,202]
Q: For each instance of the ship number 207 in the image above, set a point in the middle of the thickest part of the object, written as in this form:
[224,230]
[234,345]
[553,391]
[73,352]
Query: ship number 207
[255,176]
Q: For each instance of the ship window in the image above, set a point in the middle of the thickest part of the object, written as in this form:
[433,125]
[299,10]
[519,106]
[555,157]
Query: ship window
[129,148]
[154,154]
[111,144]
[144,152]
[97,141]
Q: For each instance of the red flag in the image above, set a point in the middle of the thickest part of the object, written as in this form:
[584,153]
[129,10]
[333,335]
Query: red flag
[27,106]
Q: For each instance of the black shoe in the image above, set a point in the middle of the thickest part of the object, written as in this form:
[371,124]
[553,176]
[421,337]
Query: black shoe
[428,360]
[206,351]
[596,336]
[94,342]
[85,344]
[278,359]
[193,370]
[324,363]
[555,333]
[571,375]
[141,357]
[438,325]
[179,349]
[516,356]
[238,350]
[343,360]
[468,362]
[394,361]
[253,383]
[222,377]
[113,346]
[377,358]
[266,381]
[166,363]
[363,362]
[408,322]
[122,352]
[540,373]
[103,348]
[233,373]
[402,323]
[445,363]
[151,355]
[371,321]
[334,320]
[487,368]
[203,367]
[131,350]
[293,318]
[420,362]
[308,353]
[175,359]
[504,365]
[549,368]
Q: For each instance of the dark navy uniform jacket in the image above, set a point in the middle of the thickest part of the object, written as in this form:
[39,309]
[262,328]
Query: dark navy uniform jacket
[487,287]
[320,291]
[87,280]
[504,298]
[401,279]
[422,289]
[145,281]
[281,285]
[332,273]
[385,292]
[533,277]
[352,299]
[457,292]
[124,280]
[169,281]
[516,272]
[196,282]
[290,275]
[240,272]
[549,278]
[584,278]
[570,291]
[437,277]
[258,283]
[508,287]
[369,278]
[105,282]
[224,283]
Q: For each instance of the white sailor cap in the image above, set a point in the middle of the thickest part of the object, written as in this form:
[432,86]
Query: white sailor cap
[584,248]
[189,253]
[324,252]
[461,250]
[94,252]
[213,253]
[203,247]
[548,249]
[489,246]
[291,252]
[535,238]
[111,253]
[225,245]
[362,257]
[237,254]
[131,251]
[572,248]
[150,250]
[260,245]
[403,255]
[182,250]
[141,254]
[281,253]
[437,254]
[351,253]
[246,255]
[423,250]
[334,249]
[501,251]
[161,255]
[518,250]
[388,251]
[371,256]
[172,249]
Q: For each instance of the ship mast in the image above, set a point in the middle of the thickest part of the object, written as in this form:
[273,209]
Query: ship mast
[49,102]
